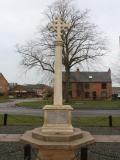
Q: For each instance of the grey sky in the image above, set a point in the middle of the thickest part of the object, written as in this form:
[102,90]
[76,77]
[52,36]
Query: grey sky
[19,20]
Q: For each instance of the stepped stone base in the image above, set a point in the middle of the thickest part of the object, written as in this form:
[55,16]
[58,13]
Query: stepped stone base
[57,146]
[57,139]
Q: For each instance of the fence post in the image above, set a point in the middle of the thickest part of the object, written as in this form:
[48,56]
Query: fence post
[110,120]
[27,152]
[84,153]
[5,119]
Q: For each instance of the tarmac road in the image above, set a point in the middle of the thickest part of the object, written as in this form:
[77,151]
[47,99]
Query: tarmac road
[10,108]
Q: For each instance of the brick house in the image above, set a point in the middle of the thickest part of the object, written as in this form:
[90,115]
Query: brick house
[30,90]
[40,90]
[4,86]
[21,91]
[89,85]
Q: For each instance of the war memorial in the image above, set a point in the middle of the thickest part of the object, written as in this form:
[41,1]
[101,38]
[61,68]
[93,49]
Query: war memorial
[57,139]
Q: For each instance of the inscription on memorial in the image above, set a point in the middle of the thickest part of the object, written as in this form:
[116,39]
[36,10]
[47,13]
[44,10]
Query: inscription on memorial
[57,117]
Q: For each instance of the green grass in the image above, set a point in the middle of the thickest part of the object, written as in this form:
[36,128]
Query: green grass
[18,120]
[34,104]
[77,121]
[90,121]
[116,121]
[103,104]
[1,119]
[4,99]
[76,104]
[22,120]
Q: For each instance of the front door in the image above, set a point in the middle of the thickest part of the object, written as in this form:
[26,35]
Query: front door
[94,95]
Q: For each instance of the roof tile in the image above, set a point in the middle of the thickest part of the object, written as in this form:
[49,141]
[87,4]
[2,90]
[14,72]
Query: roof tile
[89,77]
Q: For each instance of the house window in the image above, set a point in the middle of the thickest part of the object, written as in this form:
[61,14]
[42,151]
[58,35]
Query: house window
[104,94]
[104,85]
[87,95]
[70,93]
[87,85]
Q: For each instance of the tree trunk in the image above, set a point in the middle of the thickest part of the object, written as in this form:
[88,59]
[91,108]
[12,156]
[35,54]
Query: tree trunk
[67,84]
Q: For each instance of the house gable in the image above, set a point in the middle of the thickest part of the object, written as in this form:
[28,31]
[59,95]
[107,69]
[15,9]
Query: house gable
[4,86]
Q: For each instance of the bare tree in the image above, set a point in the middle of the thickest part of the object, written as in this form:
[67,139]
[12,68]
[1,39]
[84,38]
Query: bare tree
[81,42]
[116,69]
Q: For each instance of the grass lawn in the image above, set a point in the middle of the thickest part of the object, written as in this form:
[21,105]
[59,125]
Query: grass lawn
[34,104]
[114,104]
[4,99]
[76,121]
[22,120]
[105,104]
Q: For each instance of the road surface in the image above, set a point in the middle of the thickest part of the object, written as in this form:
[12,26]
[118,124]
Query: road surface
[10,108]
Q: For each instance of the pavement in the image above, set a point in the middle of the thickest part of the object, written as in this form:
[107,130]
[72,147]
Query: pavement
[11,108]
[98,138]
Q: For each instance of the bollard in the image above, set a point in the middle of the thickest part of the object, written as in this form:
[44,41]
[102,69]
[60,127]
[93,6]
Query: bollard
[5,119]
[84,153]
[110,121]
[27,152]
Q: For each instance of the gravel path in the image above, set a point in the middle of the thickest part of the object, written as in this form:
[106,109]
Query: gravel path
[98,151]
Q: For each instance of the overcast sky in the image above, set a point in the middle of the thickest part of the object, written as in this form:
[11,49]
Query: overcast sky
[19,20]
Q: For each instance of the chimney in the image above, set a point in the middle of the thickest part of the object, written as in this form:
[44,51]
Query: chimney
[109,70]
[77,70]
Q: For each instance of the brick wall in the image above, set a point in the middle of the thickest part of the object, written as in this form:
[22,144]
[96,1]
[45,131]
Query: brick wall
[94,91]
[4,87]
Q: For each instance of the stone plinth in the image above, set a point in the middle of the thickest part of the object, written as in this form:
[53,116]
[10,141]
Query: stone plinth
[53,146]
[57,139]
[57,119]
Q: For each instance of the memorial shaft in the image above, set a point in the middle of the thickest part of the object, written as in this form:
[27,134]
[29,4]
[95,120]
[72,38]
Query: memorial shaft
[58,74]
[58,26]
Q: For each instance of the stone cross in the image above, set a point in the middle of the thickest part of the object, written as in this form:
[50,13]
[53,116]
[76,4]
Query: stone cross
[58,26]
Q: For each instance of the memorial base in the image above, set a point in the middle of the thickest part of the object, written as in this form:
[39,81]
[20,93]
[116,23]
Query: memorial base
[57,146]
[57,139]
[57,119]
